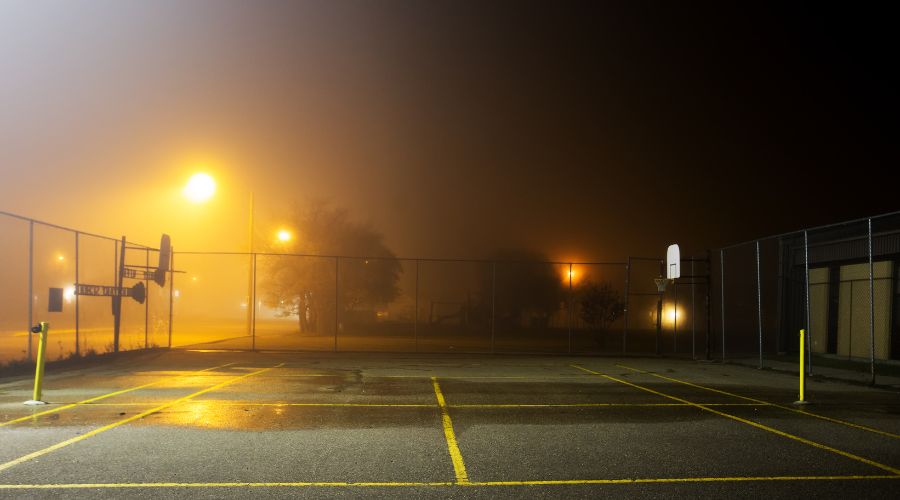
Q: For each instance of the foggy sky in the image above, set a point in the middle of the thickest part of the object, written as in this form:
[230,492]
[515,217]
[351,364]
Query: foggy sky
[588,132]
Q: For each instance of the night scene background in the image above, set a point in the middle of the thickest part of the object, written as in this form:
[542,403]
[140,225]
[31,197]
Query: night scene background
[583,131]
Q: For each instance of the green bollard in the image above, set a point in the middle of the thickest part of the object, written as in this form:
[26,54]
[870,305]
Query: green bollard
[39,369]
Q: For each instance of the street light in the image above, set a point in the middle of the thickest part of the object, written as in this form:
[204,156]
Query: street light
[199,189]
[284,235]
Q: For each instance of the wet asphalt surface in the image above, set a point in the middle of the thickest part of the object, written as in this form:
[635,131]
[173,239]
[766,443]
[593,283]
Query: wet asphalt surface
[519,426]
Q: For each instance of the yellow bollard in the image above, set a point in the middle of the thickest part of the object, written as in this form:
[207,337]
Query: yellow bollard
[39,369]
[802,400]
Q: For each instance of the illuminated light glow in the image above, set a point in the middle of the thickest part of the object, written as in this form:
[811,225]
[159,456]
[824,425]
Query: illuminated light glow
[284,235]
[60,257]
[570,274]
[177,293]
[200,187]
[670,316]
[69,293]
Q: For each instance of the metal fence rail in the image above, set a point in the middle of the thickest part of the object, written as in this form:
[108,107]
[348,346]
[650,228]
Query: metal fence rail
[840,283]
[745,302]
[37,256]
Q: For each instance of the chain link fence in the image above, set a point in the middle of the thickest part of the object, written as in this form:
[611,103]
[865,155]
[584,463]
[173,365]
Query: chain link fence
[839,283]
[743,303]
[38,256]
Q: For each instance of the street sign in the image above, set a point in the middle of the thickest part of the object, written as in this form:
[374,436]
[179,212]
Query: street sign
[137,292]
[55,300]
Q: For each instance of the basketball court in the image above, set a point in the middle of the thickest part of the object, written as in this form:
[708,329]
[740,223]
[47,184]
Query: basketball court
[234,424]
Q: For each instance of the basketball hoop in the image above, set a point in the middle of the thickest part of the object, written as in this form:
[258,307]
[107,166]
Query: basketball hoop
[661,284]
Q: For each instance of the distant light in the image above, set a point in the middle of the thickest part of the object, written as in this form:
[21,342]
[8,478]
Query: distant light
[284,235]
[60,257]
[193,278]
[69,294]
[200,187]
[177,293]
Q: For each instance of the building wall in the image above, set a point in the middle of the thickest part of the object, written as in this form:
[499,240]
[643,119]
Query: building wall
[818,310]
[854,315]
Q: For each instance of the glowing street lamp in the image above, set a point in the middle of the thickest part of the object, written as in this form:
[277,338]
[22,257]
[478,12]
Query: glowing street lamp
[200,188]
[284,235]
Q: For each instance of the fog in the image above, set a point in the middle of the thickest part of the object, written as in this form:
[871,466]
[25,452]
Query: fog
[455,129]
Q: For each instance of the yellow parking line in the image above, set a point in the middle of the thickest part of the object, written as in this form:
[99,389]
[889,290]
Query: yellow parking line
[751,423]
[476,405]
[104,396]
[124,421]
[459,466]
[591,405]
[338,484]
[678,480]
[363,405]
[788,408]
[479,377]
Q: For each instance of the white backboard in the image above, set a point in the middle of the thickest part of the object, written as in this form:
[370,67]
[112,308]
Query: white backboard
[673,262]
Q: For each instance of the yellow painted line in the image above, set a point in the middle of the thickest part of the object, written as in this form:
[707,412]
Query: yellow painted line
[788,408]
[124,421]
[591,405]
[479,377]
[459,467]
[104,396]
[362,405]
[752,423]
[151,403]
[477,405]
[551,482]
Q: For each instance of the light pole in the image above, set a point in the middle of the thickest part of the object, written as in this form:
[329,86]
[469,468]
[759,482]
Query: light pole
[251,299]
[199,189]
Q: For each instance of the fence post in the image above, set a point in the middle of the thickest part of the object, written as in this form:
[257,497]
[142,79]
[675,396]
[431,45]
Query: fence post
[416,324]
[337,324]
[871,310]
[30,284]
[693,311]
[571,312]
[117,300]
[722,295]
[171,291]
[77,323]
[806,272]
[759,306]
[627,292]
[254,302]
[493,304]
[147,302]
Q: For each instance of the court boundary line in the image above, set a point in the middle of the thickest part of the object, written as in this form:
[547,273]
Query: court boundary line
[94,432]
[471,484]
[776,405]
[459,467]
[462,405]
[758,425]
[67,406]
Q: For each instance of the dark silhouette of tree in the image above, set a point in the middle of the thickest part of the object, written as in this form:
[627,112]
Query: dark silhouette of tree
[304,284]
[599,305]
[528,290]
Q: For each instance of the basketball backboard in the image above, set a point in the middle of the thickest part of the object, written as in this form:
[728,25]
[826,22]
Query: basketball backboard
[673,262]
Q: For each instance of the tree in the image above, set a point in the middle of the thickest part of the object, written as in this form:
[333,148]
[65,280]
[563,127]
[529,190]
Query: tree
[526,288]
[329,241]
[599,305]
